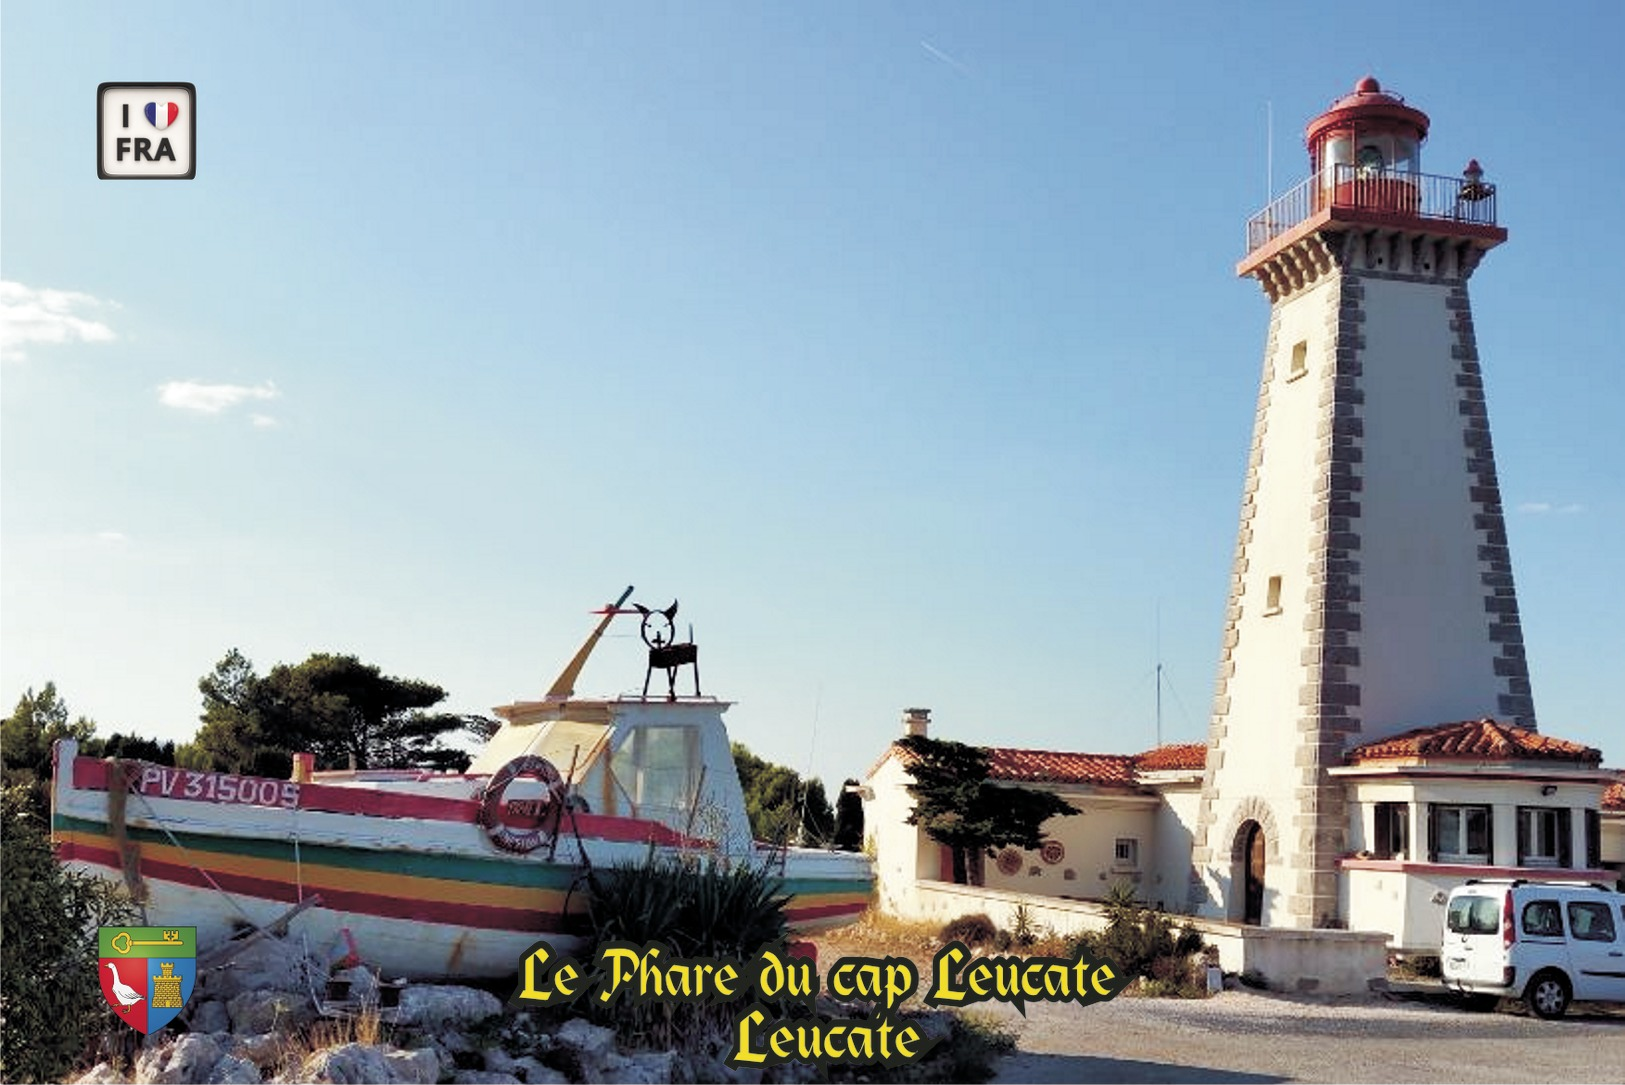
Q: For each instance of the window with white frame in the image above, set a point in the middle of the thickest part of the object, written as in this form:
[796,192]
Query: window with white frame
[1127,854]
[1543,836]
[1460,834]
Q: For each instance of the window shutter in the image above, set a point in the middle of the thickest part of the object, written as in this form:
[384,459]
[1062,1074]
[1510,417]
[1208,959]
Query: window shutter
[1565,840]
[1433,832]
[1523,835]
[1594,839]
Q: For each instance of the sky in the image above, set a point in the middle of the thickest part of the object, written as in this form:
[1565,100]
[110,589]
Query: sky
[901,343]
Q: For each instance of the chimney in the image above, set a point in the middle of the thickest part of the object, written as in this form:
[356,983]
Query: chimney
[916,721]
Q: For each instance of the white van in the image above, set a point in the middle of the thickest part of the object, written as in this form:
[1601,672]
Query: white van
[1548,943]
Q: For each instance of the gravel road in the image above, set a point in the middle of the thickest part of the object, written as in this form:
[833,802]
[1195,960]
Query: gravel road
[1246,1036]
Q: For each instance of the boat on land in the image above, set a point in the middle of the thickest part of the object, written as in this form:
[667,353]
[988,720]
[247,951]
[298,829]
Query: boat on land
[446,875]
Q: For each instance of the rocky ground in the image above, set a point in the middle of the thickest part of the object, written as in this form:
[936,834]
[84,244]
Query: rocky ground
[256,1020]
[259,1020]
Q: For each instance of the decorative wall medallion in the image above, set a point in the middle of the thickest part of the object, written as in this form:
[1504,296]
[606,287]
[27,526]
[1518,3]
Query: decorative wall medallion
[1009,862]
[1052,852]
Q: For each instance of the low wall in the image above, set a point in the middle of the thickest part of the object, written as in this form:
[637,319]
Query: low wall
[942,901]
[1326,962]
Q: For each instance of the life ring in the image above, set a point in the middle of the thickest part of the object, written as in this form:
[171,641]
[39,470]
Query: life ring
[546,812]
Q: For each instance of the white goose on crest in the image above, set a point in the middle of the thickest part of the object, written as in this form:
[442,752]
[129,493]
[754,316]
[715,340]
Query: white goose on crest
[127,995]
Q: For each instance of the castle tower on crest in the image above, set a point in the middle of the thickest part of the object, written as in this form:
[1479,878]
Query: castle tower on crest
[1372,588]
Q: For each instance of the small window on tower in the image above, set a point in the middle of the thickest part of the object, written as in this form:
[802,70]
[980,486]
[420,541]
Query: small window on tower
[1272,597]
[1300,360]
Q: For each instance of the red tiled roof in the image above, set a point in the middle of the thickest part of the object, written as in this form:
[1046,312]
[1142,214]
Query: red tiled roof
[1174,756]
[1614,797]
[1475,740]
[1062,767]
[1054,766]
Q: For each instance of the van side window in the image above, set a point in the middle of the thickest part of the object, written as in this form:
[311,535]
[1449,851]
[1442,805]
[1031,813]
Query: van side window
[1591,922]
[1543,918]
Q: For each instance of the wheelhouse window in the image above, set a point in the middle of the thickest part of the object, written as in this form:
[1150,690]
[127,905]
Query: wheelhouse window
[1460,834]
[1392,830]
[656,769]
[1543,836]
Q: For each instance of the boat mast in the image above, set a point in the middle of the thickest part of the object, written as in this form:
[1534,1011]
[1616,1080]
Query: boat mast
[564,686]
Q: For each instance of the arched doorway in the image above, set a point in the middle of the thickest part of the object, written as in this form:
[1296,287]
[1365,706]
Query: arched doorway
[1250,847]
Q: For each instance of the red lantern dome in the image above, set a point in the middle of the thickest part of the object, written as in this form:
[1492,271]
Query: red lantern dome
[1371,129]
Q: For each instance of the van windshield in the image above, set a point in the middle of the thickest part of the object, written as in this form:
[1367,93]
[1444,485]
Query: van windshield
[1474,915]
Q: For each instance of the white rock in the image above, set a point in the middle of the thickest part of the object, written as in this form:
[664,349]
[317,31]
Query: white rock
[187,1061]
[254,1012]
[585,1038]
[498,1061]
[234,1071]
[210,1016]
[101,1074]
[420,1066]
[437,1006]
[352,1064]
[269,964]
[264,1048]
[648,1068]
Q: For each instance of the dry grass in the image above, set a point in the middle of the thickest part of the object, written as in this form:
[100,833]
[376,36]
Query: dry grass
[880,935]
[363,1027]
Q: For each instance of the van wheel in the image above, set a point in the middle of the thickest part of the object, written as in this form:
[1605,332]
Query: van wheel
[1480,1003]
[1548,994]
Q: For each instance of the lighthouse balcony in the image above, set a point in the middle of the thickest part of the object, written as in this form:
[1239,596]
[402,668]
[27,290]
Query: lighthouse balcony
[1460,206]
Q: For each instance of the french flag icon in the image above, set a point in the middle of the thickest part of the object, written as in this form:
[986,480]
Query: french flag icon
[162,114]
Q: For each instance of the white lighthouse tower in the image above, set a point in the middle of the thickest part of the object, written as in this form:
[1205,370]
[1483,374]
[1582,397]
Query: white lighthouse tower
[1372,588]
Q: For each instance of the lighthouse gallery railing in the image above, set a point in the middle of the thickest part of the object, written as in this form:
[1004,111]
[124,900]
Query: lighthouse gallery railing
[1422,195]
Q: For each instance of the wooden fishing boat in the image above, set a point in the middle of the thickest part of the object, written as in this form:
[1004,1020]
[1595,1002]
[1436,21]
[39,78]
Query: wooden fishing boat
[444,875]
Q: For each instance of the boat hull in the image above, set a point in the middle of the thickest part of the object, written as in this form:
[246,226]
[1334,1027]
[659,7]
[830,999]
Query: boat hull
[409,882]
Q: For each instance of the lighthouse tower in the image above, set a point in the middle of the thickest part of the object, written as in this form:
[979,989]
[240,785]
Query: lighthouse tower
[1372,589]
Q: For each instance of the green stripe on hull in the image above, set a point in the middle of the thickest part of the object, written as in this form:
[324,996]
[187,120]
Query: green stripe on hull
[526,874]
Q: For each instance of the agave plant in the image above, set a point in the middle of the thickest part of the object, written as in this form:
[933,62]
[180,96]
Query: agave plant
[699,908]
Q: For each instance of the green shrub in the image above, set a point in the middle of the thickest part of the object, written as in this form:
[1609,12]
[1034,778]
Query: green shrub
[973,930]
[50,996]
[1143,943]
[697,907]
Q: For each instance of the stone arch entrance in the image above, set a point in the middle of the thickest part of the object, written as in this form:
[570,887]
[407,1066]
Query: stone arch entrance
[1249,862]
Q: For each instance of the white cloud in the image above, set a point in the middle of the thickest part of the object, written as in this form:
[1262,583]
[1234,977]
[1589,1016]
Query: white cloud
[30,316]
[263,421]
[212,398]
[1536,507]
[114,537]
[1542,508]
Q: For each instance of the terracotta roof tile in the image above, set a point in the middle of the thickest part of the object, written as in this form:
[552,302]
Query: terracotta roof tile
[1174,756]
[1614,797]
[1064,767]
[1057,767]
[1475,740]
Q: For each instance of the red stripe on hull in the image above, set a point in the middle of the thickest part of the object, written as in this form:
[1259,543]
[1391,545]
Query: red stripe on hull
[823,911]
[91,775]
[485,916]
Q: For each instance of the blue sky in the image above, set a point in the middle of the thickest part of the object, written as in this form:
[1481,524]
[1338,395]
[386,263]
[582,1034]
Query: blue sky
[902,343]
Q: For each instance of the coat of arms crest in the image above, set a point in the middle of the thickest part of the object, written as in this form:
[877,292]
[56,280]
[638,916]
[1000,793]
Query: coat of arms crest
[147,973]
